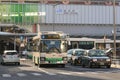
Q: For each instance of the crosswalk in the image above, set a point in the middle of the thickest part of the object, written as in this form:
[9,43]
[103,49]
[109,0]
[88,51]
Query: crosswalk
[20,75]
[57,73]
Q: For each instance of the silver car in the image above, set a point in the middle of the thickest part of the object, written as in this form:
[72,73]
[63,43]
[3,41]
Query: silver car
[10,56]
[77,56]
[69,55]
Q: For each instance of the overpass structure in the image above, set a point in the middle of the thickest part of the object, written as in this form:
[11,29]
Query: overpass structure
[13,36]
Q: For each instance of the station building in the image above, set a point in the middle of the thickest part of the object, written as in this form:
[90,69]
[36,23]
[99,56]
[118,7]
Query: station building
[90,23]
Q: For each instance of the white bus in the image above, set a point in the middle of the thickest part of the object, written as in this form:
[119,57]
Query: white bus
[50,48]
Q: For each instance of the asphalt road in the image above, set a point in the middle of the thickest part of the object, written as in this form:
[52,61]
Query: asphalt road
[27,71]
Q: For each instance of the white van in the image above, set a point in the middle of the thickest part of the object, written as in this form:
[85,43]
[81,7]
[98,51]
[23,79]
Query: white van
[10,56]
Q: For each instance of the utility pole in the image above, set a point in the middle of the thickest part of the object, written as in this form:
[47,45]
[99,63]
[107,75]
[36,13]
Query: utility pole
[53,16]
[114,25]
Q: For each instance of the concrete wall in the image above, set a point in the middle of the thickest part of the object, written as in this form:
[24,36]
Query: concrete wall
[91,30]
[81,14]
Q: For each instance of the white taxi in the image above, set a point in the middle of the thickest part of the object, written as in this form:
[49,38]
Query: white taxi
[10,56]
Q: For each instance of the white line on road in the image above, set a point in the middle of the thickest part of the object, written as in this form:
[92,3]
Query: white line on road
[49,73]
[6,75]
[92,72]
[66,73]
[77,73]
[21,74]
[70,73]
[36,74]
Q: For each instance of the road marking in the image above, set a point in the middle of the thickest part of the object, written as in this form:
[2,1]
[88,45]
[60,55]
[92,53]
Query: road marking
[21,74]
[49,73]
[65,73]
[78,73]
[36,74]
[70,73]
[6,75]
[106,72]
[93,72]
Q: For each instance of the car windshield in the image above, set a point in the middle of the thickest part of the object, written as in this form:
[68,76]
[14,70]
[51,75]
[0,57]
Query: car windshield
[11,53]
[96,53]
[79,52]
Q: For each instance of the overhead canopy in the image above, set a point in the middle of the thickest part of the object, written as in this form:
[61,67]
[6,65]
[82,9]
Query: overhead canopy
[7,34]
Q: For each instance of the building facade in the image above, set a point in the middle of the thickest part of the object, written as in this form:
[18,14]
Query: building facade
[78,18]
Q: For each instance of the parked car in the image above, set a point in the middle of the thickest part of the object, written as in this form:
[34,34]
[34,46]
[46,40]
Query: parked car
[76,55]
[69,55]
[96,57]
[10,56]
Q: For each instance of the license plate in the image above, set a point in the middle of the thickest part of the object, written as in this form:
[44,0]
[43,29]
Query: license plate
[101,63]
[53,62]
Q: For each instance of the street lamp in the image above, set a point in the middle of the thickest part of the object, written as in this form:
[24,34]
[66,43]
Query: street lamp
[114,25]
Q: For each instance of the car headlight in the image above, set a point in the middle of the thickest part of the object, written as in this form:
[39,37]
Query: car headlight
[42,58]
[107,59]
[94,59]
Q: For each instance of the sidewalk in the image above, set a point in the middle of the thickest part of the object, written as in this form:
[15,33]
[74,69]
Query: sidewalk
[115,65]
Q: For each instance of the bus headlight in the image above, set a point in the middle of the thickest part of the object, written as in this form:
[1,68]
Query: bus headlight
[42,58]
[65,58]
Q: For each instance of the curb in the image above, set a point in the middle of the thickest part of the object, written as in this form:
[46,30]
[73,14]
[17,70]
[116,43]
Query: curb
[115,65]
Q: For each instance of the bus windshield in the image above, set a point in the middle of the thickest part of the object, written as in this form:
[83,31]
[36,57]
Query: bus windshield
[50,45]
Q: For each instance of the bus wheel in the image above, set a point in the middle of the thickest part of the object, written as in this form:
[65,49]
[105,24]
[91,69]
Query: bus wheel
[35,64]
[63,65]
[40,65]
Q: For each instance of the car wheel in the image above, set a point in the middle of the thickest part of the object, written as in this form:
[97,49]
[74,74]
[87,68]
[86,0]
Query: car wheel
[18,63]
[71,62]
[108,66]
[75,62]
[83,65]
[90,65]
[2,63]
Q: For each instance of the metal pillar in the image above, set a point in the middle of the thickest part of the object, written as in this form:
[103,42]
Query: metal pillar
[114,25]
